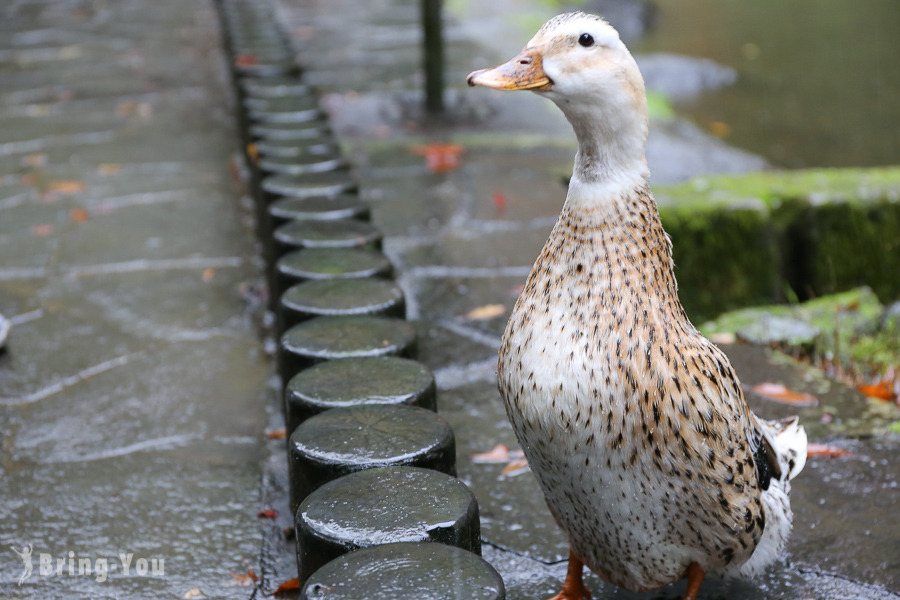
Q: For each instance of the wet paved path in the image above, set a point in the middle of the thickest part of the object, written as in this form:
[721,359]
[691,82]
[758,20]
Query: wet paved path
[465,239]
[130,409]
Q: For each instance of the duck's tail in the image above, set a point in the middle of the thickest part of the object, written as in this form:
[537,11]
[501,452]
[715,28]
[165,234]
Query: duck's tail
[788,440]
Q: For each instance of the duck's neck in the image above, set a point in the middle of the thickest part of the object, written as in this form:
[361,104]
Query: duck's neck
[611,142]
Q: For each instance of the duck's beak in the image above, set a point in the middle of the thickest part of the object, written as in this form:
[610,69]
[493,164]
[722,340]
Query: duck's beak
[524,72]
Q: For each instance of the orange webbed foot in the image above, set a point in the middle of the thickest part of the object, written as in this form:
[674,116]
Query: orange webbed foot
[573,587]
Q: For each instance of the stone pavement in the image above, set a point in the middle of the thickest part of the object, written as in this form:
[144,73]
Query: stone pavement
[134,390]
[130,390]
[465,239]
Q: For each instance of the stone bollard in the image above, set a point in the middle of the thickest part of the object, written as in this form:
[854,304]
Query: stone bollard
[326,234]
[346,440]
[327,263]
[323,208]
[290,109]
[289,131]
[274,87]
[379,506]
[357,382]
[330,338]
[406,571]
[340,298]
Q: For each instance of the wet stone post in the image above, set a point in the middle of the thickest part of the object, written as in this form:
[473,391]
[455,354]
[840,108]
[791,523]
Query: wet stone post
[367,452]
[434,57]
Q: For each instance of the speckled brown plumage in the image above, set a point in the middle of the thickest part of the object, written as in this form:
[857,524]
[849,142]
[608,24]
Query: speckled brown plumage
[638,391]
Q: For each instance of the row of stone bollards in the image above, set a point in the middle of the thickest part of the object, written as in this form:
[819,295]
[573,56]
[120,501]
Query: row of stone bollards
[372,466]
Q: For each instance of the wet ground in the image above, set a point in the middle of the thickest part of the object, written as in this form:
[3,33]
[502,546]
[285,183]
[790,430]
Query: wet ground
[130,387]
[134,391]
[465,240]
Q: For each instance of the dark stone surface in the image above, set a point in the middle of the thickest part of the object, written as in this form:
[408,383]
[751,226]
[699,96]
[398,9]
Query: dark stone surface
[340,298]
[317,146]
[323,208]
[328,263]
[406,571]
[283,110]
[307,186]
[381,506]
[274,87]
[345,440]
[290,131]
[326,234]
[301,165]
[357,381]
[330,338]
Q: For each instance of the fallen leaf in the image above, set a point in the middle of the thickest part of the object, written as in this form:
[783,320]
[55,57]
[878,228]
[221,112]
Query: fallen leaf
[27,179]
[253,152]
[827,451]
[35,160]
[720,129]
[42,229]
[267,514]
[245,580]
[194,593]
[779,393]
[440,157]
[108,168]
[515,467]
[126,108]
[498,454]
[66,187]
[78,215]
[277,434]
[483,313]
[208,274]
[879,390]
[291,584]
[245,60]
[499,199]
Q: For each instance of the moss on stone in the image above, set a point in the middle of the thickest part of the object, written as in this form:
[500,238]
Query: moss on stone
[777,235]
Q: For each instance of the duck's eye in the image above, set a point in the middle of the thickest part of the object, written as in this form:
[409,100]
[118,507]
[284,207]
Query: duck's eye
[586,40]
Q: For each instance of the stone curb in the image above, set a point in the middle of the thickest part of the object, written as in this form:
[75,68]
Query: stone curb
[383,461]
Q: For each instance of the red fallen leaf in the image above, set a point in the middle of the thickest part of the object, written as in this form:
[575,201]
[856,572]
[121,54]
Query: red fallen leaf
[291,584]
[779,393]
[440,157]
[877,390]
[277,434]
[267,514]
[515,467]
[499,199]
[78,215]
[245,580]
[245,60]
[827,451]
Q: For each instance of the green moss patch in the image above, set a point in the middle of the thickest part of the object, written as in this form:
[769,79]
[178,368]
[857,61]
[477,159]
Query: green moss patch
[772,236]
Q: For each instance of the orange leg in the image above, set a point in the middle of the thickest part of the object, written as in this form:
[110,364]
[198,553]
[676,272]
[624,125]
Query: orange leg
[573,587]
[695,577]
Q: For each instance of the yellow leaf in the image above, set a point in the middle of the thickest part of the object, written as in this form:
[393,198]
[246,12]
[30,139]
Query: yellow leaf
[108,168]
[194,593]
[208,274]
[66,187]
[483,313]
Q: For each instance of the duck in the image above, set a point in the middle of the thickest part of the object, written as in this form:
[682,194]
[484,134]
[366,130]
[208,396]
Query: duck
[634,424]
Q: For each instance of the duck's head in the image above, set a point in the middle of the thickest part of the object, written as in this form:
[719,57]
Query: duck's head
[578,61]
